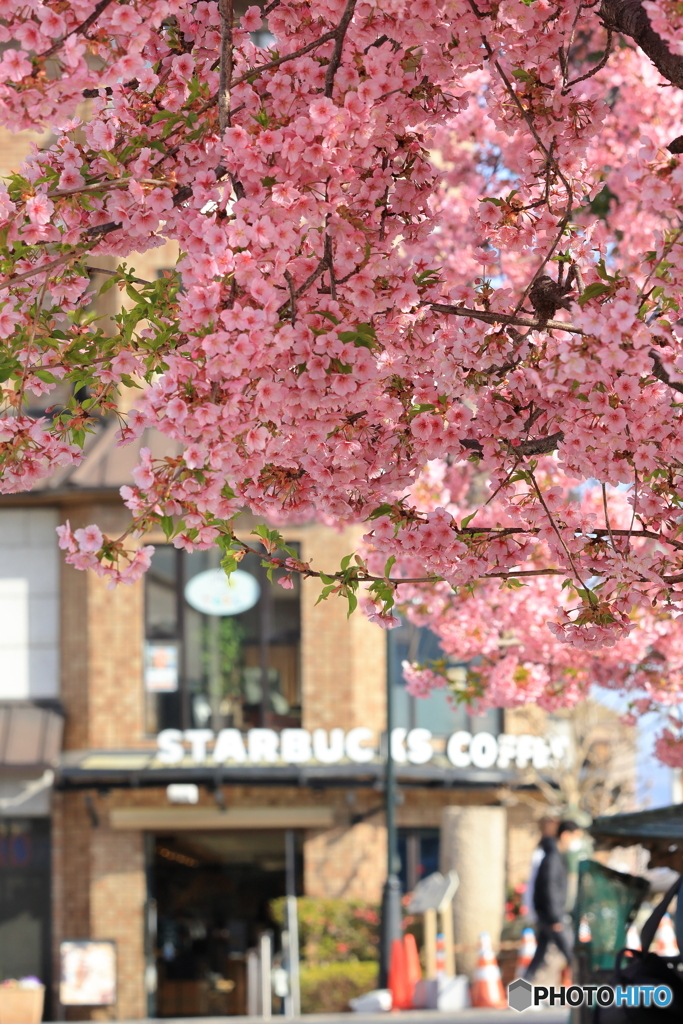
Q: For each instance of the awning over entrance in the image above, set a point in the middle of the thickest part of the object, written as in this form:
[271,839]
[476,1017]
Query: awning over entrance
[135,769]
[30,736]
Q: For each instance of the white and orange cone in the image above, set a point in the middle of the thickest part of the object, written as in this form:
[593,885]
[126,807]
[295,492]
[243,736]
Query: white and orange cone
[487,984]
[665,938]
[526,952]
[633,938]
[585,930]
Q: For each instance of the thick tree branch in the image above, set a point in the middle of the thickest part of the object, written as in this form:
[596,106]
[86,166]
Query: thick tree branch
[536,446]
[660,373]
[630,18]
[505,318]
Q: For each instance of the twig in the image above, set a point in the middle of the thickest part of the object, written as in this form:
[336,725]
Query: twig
[113,273]
[227,16]
[313,276]
[598,67]
[292,295]
[83,27]
[607,522]
[259,69]
[330,266]
[559,536]
[37,270]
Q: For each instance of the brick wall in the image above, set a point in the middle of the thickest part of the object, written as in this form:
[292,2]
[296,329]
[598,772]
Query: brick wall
[343,658]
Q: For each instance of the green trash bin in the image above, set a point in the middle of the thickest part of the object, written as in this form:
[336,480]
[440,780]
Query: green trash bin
[607,901]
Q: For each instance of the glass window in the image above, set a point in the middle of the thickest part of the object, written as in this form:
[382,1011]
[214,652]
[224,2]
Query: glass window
[418,849]
[219,670]
[25,899]
[438,712]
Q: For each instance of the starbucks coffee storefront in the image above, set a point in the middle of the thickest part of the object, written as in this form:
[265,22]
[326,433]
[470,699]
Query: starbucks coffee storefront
[220,741]
[222,818]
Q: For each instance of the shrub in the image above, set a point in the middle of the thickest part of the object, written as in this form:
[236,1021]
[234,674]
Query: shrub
[334,931]
[327,988]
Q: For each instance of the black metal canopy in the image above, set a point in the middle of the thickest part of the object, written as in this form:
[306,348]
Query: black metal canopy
[659,830]
[140,769]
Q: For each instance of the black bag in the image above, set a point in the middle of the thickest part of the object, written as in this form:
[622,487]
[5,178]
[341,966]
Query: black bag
[641,967]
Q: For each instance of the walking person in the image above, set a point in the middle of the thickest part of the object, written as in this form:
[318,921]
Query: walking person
[550,896]
[548,827]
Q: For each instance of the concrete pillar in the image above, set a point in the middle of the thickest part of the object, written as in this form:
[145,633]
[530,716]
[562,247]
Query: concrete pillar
[473,844]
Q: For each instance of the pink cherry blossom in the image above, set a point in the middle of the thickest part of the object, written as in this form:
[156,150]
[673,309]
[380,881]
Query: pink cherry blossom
[89,538]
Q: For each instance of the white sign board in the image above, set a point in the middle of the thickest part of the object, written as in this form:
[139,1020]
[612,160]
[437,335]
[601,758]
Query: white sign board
[88,973]
[214,593]
[434,892]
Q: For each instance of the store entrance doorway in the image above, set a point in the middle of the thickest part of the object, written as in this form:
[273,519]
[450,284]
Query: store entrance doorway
[212,893]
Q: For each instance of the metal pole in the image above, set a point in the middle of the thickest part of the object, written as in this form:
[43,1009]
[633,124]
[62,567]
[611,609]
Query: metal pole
[266,951]
[391,894]
[293,1002]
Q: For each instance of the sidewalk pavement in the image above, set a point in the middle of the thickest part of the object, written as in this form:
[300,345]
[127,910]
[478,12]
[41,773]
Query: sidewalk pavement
[544,1016]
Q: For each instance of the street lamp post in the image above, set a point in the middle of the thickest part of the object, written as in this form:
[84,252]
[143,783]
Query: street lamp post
[391,893]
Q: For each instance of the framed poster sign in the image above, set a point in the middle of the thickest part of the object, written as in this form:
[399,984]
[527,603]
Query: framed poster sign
[88,973]
[161,668]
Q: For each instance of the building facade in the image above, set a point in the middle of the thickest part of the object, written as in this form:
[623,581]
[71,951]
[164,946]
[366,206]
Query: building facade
[194,743]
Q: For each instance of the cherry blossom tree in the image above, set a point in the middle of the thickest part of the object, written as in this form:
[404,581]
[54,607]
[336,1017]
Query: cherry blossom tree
[503,649]
[408,231]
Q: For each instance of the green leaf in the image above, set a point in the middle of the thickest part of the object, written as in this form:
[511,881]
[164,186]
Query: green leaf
[45,376]
[468,519]
[592,292]
[167,526]
[353,602]
[328,316]
[388,566]
[381,510]
[521,75]
[326,591]
[229,563]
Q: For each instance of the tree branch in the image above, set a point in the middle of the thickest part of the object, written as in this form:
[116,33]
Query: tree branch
[83,27]
[537,446]
[505,318]
[339,36]
[660,373]
[227,16]
[630,18]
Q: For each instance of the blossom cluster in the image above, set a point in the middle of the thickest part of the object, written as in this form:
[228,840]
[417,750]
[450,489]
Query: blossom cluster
[410,234]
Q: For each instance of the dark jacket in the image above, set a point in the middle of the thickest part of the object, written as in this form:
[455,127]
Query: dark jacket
[550,890]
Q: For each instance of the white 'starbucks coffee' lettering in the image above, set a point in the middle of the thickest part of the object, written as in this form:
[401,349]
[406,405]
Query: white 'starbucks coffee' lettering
[360,746]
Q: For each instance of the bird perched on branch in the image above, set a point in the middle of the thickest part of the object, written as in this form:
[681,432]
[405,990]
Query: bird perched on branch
[547,296]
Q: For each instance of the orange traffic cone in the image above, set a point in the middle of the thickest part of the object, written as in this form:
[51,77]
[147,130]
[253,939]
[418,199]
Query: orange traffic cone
[413,969]
[665,938]
[526,952]
[401,997]
[585,930]
[487,984]
[633,938]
